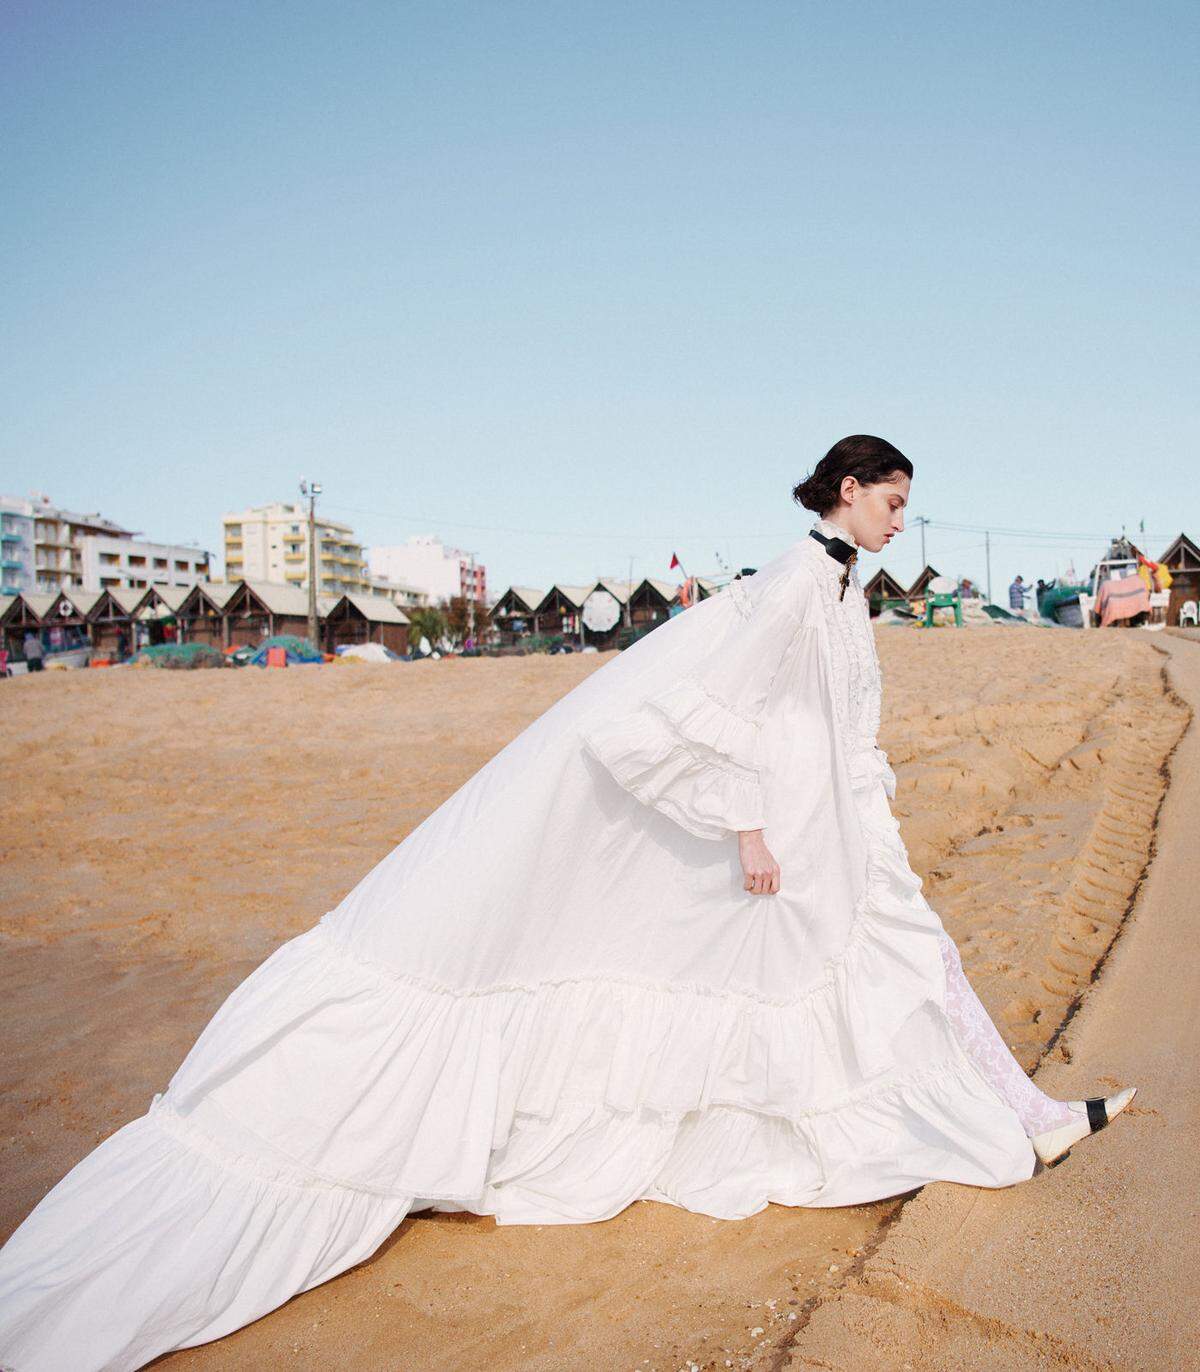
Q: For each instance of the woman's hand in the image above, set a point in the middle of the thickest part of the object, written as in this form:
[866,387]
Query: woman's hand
[760,868]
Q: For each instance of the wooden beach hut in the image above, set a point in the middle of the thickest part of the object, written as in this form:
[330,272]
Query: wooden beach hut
[884,592]
[1182,560]
[107,621]
[366,619]
[651,602]
[514,616]
[55,618]
[201,613]
[262,609]
[560,608]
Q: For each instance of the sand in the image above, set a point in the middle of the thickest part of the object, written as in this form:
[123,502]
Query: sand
[165,831]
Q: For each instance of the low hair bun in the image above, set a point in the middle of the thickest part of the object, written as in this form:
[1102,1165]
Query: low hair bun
[863,456]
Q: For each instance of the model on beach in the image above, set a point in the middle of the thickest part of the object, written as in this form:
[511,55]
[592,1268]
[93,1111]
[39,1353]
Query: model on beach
[665,945]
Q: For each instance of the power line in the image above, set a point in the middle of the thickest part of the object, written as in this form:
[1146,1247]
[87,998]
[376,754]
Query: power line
[1039,535]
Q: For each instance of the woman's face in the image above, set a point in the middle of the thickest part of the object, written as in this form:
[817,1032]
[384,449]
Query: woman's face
[873,514]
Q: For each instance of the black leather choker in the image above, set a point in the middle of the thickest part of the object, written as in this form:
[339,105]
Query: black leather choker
[843,552]
[835,547]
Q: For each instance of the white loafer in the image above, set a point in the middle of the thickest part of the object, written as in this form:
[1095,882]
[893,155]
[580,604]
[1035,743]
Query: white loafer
[1094,1113]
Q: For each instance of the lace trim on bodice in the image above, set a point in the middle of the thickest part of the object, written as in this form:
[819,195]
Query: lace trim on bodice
[857,694]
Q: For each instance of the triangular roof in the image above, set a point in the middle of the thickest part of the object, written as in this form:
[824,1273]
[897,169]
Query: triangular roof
[1182,555]
[40,607]
[173,596]
[885,585]
[218,593]
[377,609]
[619,590]
[277,598]
[523,599]
[85,601]
[129,598]
[573,595]
[667,591]
[925,576]
[39,603]
[106,608]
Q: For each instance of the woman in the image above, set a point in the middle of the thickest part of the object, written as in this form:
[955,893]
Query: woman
[666,944]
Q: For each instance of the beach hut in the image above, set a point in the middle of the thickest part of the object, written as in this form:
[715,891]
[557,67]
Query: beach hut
[262,609]
[884,592]
[514,616]
[366,619]
[57,621]
[604,591]
[1182,560]
[560,608]
[201,613]
[106,621]
[651,601]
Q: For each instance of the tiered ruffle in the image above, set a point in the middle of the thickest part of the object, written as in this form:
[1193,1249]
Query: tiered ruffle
[332,1094]
[688,755]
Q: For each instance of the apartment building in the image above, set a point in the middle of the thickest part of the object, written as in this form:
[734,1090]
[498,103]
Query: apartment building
[425,562]
[48,549]
[130,562]
[18,566]
[270,543]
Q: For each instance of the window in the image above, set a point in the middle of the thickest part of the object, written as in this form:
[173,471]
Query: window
[136,561]
[160,564]
[181,566]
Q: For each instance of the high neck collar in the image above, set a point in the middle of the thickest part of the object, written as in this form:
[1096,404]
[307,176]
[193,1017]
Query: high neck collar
[832,530]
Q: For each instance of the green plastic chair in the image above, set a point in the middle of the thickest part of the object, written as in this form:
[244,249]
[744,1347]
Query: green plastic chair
[945,600]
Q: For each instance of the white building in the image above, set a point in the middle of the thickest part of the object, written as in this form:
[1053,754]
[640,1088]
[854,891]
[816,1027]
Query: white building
[398,592]
[18,570]
[270,543]
[109,562]
[424,562]
[47,549]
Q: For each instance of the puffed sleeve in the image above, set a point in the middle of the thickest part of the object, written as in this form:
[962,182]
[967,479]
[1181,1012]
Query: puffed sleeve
[691,750]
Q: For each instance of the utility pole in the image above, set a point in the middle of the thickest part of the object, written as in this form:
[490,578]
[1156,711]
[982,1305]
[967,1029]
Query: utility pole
[312,489]
[987,543]
[922,521]
[629,595]
[471,604]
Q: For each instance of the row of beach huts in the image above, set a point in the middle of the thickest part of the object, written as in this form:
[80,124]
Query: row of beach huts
[116,621]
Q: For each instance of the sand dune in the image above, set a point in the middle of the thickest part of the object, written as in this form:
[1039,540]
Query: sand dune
[168,830]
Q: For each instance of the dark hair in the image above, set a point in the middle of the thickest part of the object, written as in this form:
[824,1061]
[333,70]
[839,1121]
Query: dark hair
[869,459]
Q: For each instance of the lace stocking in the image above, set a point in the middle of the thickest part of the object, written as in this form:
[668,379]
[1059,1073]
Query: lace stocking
[981,1041]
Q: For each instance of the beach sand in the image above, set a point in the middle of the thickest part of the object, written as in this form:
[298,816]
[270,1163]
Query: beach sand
[165,831]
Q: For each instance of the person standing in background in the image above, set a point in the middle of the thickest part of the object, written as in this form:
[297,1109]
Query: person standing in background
[34,651]
[1017,592]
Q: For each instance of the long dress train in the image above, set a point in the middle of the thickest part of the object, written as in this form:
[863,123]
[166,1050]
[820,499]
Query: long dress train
[554,998]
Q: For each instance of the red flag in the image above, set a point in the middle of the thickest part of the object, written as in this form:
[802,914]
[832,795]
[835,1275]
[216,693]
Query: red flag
[675,562]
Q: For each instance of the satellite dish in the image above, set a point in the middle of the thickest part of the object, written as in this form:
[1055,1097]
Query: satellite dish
[600,611]
[942,585]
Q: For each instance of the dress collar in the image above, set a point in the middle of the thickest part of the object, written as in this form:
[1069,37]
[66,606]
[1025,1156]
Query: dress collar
[832,530]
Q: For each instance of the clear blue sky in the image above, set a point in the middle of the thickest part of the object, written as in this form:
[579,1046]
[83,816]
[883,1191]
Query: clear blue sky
[569,284]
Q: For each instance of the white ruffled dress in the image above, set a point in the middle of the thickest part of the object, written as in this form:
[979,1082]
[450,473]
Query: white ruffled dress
[554,998]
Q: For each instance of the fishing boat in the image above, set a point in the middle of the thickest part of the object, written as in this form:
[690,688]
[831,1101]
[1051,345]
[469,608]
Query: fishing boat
[1059,600]
[1121,560]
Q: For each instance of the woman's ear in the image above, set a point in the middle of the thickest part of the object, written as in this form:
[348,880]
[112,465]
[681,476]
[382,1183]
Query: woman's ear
[849,489]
